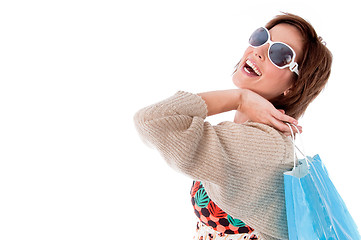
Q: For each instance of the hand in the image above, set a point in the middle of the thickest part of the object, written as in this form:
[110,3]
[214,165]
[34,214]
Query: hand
[258,109]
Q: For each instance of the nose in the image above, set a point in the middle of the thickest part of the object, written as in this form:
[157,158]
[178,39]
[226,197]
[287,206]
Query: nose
[261,52]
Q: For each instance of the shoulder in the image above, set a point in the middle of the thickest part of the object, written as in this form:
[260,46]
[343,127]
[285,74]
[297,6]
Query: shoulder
[258,137]
[252,129]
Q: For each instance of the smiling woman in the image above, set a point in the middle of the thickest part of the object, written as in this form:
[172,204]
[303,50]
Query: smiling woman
[270,81]
[282,88]
[238,166]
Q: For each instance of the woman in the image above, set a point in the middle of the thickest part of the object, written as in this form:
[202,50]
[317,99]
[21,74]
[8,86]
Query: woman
[238,166]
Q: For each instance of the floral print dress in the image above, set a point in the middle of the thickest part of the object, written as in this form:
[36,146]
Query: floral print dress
[214,223]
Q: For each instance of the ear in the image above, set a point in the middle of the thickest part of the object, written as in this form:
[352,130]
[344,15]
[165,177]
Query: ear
[286,92]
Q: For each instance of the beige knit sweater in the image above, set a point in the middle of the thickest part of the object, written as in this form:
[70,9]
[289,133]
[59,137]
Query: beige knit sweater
[241,165]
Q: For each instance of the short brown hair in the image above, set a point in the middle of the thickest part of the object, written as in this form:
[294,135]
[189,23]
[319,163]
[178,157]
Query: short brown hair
[314,68]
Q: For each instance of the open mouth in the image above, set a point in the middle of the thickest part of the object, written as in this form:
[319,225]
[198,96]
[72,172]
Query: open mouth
[251,68]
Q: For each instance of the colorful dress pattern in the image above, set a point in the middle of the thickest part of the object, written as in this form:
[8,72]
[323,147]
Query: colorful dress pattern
[205,232]
[211,215]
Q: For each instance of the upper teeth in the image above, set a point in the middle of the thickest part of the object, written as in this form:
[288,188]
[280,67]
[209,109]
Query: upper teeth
[249,63]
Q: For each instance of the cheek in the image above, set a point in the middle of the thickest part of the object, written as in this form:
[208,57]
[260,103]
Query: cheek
[276,81]
[276,75]
[272,72]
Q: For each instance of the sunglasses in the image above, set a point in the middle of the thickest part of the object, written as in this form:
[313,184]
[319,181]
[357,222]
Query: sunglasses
[280,54]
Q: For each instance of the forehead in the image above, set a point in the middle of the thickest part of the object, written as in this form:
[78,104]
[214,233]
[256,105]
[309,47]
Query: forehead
[288,34]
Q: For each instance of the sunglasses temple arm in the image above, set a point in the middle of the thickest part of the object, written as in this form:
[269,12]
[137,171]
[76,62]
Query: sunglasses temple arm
[294,67]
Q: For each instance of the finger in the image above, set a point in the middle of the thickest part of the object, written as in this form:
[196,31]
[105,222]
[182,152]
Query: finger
[279,125]
[283,117]
[297,129]
[282,111]
[287,134]
[284,128]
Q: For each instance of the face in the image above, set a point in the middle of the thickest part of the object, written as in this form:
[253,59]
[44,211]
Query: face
[270,81]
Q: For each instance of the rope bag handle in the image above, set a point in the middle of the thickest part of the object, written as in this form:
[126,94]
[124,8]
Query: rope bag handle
[293,135]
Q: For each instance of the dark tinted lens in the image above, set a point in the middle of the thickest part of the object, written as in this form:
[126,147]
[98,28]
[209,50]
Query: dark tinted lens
[258,37]
[280,54]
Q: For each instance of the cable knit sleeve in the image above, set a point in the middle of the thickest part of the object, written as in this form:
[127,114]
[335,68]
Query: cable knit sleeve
[241,165]
[177,128]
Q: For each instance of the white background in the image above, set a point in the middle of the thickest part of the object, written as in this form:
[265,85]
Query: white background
[73,73]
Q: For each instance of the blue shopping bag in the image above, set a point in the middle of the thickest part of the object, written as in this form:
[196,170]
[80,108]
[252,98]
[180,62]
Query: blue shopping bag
[315,210]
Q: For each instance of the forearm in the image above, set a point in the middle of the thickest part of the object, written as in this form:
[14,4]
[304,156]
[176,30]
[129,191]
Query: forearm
[222,101]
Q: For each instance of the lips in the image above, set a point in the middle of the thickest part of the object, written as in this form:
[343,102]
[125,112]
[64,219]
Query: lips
[251,69]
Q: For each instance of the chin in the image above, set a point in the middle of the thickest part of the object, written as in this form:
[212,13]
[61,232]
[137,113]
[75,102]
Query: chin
[238,81]
[253,89]
[242,83]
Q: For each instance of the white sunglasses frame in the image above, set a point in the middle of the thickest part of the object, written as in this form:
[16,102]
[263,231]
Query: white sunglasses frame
[293,66]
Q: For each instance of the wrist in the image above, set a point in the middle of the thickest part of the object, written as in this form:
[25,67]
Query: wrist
[241,97]
[233,98]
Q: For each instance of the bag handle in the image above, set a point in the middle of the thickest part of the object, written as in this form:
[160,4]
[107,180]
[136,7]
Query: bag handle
[294,144]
